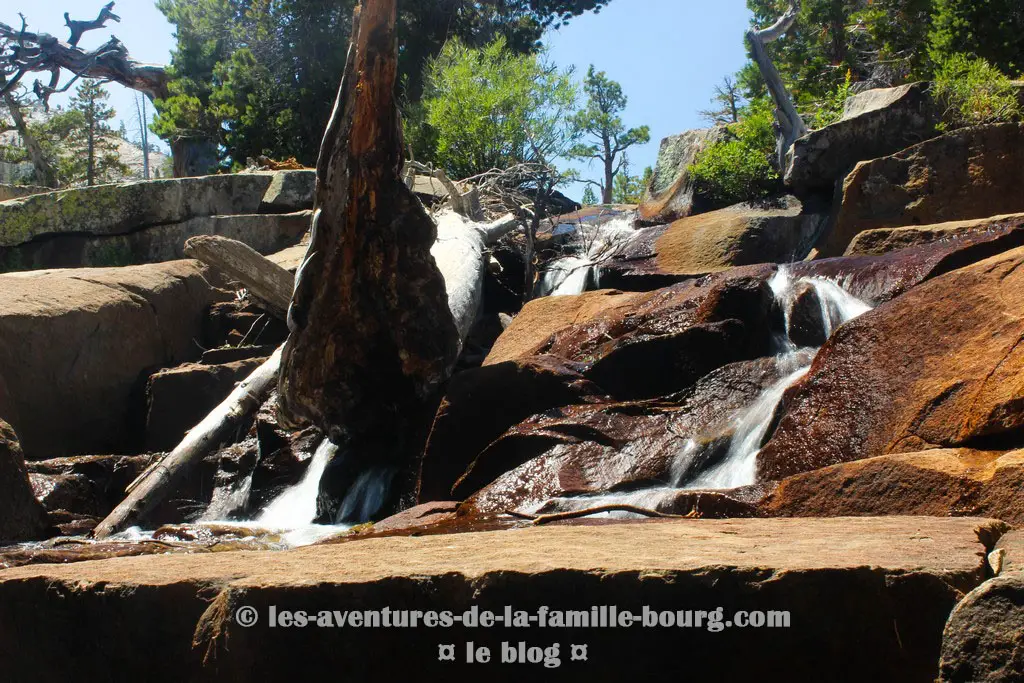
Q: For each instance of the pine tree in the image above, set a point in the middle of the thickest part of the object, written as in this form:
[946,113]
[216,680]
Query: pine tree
[94,138]
[601,120]
[589,196]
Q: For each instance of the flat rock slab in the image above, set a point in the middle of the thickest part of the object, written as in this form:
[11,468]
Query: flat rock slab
[868,598]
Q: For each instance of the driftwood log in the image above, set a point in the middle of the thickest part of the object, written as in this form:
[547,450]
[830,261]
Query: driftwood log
[268,283]
[791,126]
[160,480]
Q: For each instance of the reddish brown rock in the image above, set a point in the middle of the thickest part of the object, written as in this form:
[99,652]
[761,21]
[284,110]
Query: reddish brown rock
[969,173]
[22,518]
[650,344]
[982,639]
[844,582]
[940,483]
[886,240]
[940,367]
[745,234]
[597,449]
[482,404]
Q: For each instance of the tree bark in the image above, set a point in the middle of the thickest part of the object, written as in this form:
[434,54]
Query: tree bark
[267,282]
[791,125]
[162,479]
[372,338]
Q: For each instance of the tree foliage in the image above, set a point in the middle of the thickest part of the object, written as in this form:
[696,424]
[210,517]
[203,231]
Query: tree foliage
[973,92]
[990,29]
[259,77]
[629,189]
[491,108]
[740,168]
[609,138]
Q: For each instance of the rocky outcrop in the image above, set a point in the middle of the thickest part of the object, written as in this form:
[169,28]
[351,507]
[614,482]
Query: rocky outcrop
[938,367]
[149,221]
[264,233]
[740,235]
[982,640]
[179,398]
[15,191]
[939,483]
[886,240]
[671,195]
[875,123]
[908,571]
[289,191]
[22,518]
[970,173]
[78,345]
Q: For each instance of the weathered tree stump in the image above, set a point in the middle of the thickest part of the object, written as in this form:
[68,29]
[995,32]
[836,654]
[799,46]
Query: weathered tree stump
[372,338]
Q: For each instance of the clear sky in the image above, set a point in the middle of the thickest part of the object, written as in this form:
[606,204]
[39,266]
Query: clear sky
[667,54]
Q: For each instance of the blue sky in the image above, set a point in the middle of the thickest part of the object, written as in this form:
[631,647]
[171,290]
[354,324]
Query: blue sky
[667,54]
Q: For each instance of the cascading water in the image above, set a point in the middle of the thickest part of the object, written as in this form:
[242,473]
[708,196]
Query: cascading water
[750,426]
[296,507]
[597,243]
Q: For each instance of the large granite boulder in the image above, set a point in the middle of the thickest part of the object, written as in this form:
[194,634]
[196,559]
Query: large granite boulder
[875,123]
[745,234]
[892,581]
[120,209]
[938,483]
[672,195]
[970,173]
[887,240]
[982,640]
[266,233]
[939,367]
[22,518]
[78,346]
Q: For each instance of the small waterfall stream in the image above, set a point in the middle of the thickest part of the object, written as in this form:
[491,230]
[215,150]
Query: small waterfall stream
[750,426]
[597,243]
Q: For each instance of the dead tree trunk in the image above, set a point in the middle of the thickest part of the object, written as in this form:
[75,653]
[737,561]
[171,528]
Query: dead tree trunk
[268,283]
[372,338]
[790,125]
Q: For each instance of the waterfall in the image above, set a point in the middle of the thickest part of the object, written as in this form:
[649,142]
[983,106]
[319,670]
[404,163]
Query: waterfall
[597,243]
[296,507]
[750,426]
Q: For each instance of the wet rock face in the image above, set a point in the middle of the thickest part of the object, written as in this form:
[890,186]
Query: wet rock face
[77,345]
[480,405]
[875,123]
[970,173]
[672,195]
[745,234]
[939,367]
[878,278]
[982,640]
[22,518]
[585,450]
[886,240]
[940,483]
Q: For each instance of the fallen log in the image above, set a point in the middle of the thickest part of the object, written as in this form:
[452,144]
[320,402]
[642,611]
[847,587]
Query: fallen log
[160,480]
[267,282]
